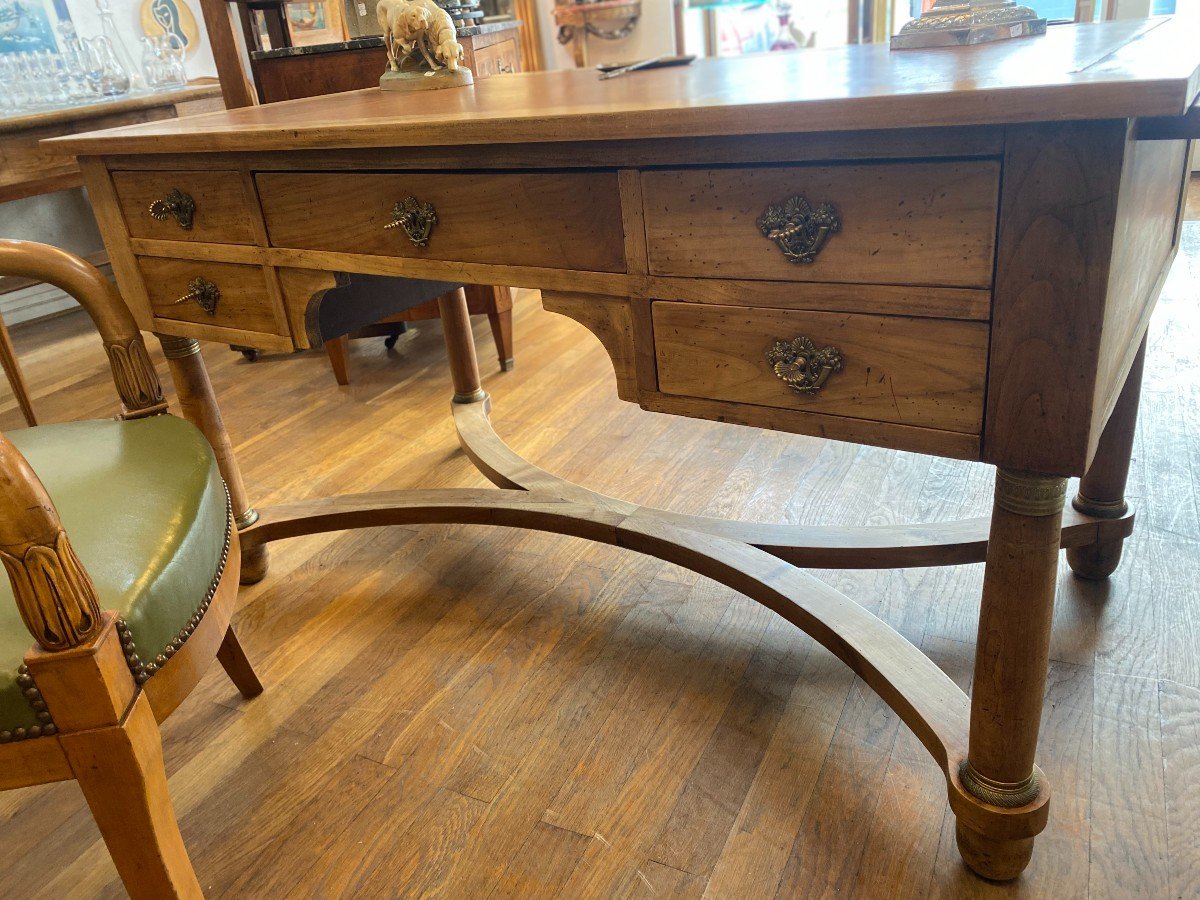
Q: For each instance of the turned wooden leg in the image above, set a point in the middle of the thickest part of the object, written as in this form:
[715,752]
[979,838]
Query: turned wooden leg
[335,351]
[107,730]
[199,406]
[1102,488]
[8,359]
[460,347]
[237,665]
[1011,661]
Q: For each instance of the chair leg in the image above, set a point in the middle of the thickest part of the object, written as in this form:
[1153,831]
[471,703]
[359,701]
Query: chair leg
[120,769]
[237,665]
[8,359]
[500,319]
[336,351]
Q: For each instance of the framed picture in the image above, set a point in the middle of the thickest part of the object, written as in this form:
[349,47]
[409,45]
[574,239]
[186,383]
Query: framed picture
[27,26]
[173,17]
[314,22]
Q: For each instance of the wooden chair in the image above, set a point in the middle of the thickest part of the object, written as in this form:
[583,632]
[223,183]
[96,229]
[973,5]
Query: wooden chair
[123,565]
[379,306]
[8,360]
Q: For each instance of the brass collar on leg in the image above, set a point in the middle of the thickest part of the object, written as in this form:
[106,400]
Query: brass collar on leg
[1100,509]
[1000,793]
[178,347]
[1029,494]
[246,518]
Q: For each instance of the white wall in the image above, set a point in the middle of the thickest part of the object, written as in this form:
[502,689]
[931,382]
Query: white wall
[127,15]
[63,219]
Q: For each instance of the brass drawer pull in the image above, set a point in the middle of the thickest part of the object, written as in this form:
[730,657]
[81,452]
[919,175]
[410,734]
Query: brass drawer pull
[204,293]
[176,205]
[797,229]
[801,366]
[416,217]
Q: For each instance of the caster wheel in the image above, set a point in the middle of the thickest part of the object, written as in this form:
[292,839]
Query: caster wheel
[251,353]
[390,341]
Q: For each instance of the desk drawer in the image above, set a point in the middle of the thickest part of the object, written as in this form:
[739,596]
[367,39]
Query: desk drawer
[895,223]
[558,221]
[240,301]
[923,372]
[186,206]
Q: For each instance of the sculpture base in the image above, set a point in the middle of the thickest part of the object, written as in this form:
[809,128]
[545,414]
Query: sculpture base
[424,80]
[958,24]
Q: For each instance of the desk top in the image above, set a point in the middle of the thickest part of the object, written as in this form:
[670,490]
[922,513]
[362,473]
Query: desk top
[1112,70]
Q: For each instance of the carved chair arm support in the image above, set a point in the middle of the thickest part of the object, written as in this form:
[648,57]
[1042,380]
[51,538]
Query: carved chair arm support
[133,373]
[55,595]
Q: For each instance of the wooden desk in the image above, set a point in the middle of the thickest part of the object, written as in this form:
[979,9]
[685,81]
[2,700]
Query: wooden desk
[989,230]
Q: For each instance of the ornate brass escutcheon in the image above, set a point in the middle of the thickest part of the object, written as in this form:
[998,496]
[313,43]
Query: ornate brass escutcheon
[801,366]
[204,293]
[416,217]
[797,229]
[176,205]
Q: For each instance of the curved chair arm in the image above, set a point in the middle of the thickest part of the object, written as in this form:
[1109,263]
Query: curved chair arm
[54,593]
[136,380]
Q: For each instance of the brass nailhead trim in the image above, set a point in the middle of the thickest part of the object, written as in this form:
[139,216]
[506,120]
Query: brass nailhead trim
[1100,509]
[998,793]
[1027,494]
[178,347]
[142,671]
[33,696]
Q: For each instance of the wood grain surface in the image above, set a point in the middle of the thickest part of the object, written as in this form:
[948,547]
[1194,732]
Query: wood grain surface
[244,301]
[438,698]
[1108,70]
[223,211]
[905,223]
[1052,279]
[920,372]
[560,220]
[28,168]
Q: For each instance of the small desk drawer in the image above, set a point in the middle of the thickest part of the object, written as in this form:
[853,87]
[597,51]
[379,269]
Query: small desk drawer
[558,221]
[240,300]
[186,206]
[923,372]
[894,223]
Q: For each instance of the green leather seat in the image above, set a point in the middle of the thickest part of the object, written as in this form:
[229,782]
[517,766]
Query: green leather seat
[145,508]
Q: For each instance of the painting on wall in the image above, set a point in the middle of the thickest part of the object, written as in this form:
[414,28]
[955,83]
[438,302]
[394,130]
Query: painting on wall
[172,17]
[27,26]
[315,22]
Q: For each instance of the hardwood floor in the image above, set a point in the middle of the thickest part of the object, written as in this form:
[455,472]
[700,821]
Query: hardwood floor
[471,712]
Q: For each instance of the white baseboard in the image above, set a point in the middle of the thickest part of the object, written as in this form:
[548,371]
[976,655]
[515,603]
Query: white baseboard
[34,302]
[37,301]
